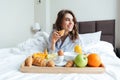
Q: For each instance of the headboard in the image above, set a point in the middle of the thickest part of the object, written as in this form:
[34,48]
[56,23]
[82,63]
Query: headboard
[106,26]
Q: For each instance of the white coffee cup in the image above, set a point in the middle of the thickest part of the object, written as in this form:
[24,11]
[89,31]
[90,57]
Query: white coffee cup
[60,59]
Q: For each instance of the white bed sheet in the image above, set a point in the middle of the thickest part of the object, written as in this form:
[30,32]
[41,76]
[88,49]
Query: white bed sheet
[10,65]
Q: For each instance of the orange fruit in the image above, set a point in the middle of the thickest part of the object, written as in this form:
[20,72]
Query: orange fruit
[94,60]
[78,49]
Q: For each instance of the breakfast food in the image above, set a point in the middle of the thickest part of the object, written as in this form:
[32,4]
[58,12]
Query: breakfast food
[39,62]
[94,60]
[43,59]
[78,49]
[61,32]
[51,56]
[69,63]
[60,53]
[81,60]
[28,61]
[41,55]
[50,63]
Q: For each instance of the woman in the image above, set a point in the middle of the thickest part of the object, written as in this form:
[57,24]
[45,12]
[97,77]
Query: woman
[65,21]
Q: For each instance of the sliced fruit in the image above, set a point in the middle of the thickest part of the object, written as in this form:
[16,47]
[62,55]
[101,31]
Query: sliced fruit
[51,56]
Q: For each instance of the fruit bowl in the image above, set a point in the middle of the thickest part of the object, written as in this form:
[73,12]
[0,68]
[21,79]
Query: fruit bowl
[69,55]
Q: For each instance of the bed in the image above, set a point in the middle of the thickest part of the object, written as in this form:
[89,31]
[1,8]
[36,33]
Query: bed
[12,58]
[106,26]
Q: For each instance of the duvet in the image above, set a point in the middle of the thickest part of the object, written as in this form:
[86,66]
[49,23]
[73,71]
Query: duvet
[10,62]
[12,58]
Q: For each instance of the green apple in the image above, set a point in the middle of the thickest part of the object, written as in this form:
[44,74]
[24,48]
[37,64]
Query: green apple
[81,60]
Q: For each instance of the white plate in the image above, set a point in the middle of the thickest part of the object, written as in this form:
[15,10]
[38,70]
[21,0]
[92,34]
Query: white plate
[69,55]
[60,64]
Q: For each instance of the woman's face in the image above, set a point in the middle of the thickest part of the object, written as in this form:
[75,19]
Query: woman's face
[68,22]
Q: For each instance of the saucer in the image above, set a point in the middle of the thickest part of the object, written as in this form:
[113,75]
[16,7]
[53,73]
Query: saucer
[60,64]
[69,55]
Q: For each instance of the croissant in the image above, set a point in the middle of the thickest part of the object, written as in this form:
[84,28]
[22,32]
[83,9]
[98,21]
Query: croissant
[50,63]
[70,63]
[28,61]
[39,62]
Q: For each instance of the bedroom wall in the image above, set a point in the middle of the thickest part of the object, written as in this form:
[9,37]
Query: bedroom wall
[118,25]
[16,18]
[42,14]
[86,10]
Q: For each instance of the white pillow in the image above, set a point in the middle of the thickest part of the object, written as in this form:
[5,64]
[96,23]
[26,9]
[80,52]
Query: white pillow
[89,39]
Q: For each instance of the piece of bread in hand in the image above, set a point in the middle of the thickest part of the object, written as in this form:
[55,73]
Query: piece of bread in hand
[61,32]
[28,61]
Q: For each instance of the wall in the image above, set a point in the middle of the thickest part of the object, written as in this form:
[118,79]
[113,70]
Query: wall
[87,10]
[118,25]
[42,14]
[16,18]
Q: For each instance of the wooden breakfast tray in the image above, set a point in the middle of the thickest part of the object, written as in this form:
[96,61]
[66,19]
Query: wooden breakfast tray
[87,70]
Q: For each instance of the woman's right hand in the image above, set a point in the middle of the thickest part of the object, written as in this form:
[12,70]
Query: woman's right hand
[55,37]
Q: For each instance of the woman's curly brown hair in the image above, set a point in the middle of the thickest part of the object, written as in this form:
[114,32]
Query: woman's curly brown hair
[74,33]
